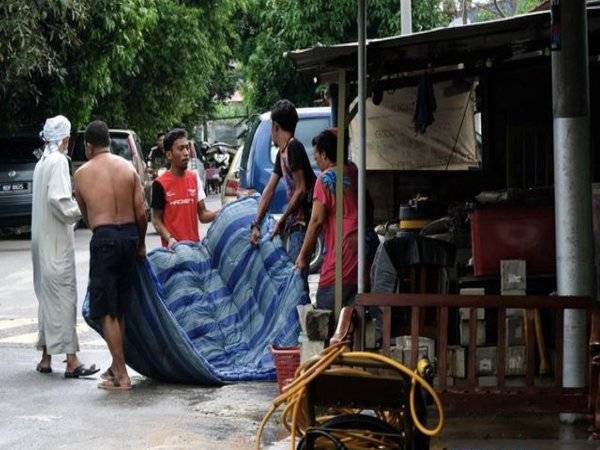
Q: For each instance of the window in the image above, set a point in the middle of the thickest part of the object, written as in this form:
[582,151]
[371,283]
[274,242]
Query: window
[306,130]
[19,149]
[78,152]
[119,145]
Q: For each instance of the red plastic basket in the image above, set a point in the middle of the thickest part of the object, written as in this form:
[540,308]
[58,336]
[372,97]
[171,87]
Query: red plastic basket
[287,360]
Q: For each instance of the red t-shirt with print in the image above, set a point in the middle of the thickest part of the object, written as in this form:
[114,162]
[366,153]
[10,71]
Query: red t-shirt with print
[325,193]
[178,197]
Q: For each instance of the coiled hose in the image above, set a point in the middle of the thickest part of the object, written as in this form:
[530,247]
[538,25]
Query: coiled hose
[294,416]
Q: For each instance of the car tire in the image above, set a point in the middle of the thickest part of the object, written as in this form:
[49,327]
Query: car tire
[317,257]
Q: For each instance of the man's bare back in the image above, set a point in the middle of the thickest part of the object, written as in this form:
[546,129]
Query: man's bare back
[110,191]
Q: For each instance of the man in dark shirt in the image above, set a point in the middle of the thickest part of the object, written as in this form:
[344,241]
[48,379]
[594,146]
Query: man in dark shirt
[291,164]
[157,157]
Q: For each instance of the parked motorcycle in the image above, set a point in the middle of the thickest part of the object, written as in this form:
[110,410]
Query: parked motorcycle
[217,158]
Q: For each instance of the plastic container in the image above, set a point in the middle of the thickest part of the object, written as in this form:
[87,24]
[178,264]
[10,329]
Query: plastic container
[287,360]
[513,233]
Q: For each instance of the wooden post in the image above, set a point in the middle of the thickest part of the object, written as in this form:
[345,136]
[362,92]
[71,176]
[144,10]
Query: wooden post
[339,191]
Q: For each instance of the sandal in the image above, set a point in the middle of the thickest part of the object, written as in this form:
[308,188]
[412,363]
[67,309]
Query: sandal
[108,375]
[82,371]
[114,386]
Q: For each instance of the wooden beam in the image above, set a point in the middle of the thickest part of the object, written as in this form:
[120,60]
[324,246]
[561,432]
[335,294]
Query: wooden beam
[475,301]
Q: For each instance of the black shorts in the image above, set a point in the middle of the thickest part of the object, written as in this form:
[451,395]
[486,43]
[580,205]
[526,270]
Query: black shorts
[113,251]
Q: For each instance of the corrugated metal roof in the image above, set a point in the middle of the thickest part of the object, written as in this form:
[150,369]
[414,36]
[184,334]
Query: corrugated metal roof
[467,44]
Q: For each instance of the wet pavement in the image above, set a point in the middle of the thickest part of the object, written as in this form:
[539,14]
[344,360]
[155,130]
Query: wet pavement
[49,411]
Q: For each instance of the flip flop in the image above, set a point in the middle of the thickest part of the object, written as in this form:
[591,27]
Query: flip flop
[113,386]
[41,369]
[82,371]
[108,375]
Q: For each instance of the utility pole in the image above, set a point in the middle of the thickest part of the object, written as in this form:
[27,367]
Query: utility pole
[405,17]
[362,141]
[572,178]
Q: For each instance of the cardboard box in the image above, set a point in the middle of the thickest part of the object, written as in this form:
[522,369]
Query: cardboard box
[426,348]
[404,342]
[472,291]
[513,276]
[515,330]
[422,353]
[370,334]
[397,353]
[457,361]
[464,333]
[516,361]
[465,312]
[487,381]
[485,361]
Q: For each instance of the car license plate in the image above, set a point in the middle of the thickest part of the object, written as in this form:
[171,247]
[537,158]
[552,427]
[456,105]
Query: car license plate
[13,187]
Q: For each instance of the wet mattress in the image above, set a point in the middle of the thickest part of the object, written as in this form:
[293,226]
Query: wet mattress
[208,312]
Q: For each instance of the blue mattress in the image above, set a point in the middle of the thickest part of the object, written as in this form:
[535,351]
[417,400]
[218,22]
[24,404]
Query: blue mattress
[207,313]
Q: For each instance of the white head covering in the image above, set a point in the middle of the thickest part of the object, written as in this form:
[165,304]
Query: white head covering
[55,130]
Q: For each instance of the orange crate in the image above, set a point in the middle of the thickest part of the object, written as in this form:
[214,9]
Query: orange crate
[287,360]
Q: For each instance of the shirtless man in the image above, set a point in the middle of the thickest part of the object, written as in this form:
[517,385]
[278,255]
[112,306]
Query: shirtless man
[110,196]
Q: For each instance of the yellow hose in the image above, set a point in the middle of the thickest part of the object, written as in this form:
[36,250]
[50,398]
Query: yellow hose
[415,378]
[294,393]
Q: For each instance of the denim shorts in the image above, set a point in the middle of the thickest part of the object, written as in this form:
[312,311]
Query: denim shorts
[326,296]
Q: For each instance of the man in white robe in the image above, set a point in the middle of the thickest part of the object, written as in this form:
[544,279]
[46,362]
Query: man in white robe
[54,212]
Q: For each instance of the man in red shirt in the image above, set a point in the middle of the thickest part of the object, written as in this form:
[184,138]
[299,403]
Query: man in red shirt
[178,195]
[323,217]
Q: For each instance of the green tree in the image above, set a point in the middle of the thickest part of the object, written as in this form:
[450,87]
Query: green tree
[181,69]
[35,40]
[271,27]
[141,64]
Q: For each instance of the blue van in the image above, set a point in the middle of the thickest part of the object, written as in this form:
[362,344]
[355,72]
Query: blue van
[258,159]
[259,152]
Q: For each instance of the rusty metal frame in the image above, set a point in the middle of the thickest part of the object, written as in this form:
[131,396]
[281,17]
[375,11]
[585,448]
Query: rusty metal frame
[531,396]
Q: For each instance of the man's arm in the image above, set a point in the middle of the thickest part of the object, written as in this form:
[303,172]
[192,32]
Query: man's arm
[265,201]
[161,228]
[205,215]
[266,197]
[79,198]
[158,206]
[317,219]
[139,208]
[295,200]
[60,193]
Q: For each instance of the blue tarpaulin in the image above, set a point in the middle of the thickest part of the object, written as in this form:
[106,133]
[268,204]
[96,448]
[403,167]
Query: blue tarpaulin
[207,313]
